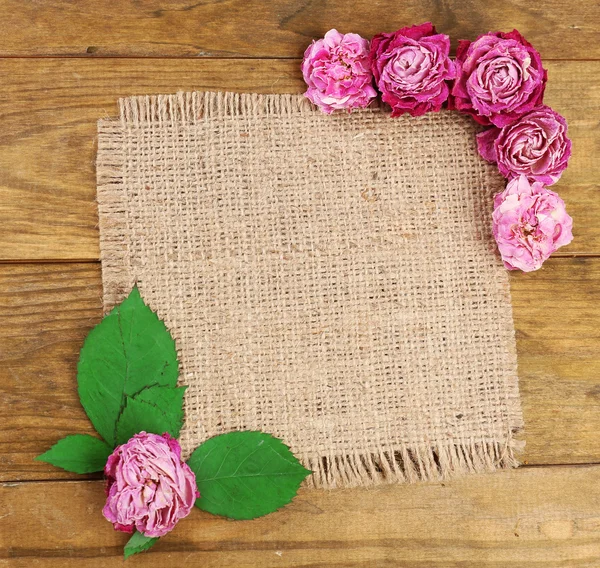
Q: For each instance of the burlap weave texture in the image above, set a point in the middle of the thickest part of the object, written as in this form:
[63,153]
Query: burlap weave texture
[328,279]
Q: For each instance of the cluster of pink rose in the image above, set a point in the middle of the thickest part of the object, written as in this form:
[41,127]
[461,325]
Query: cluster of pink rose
[499,80]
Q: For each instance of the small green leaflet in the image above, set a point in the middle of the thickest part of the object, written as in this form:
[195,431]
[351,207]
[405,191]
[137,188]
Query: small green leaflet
[79,453]
[138,416]
[138,543]
[155,409]
[244,475]
[169,400]
[129,350]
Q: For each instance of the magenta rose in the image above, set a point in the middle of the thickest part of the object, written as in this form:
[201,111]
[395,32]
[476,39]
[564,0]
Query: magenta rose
[337,72]
[529,223]
[411,69]
[149,488]
[535,146]
[500,78]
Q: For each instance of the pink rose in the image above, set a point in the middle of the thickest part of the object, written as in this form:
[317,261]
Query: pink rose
[337,72]
[500,77]
[411,67]
[149,487]
[536,146]
[529,223]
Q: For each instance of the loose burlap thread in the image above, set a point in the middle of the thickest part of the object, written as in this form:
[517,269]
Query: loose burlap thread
[331,280]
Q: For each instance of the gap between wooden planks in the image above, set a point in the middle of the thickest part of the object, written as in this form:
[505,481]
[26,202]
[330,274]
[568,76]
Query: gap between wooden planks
[46,310]
[278,28]
[533,517]
[49,109]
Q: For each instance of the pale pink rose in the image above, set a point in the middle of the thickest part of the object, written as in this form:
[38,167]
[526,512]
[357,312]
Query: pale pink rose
[337,71]
[412,67]
[529,223]
[500,78]
[149,488]
[536,146]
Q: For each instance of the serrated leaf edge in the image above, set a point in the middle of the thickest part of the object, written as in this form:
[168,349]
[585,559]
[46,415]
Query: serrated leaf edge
[179,422]
[141,402]
[116,309]
[43,459]
[298,464]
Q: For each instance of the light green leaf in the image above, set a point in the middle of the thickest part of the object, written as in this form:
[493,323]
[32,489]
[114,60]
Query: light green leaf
[244,475]
[138,416]
[138,543]
[127,351]
[79,453]
[168,400]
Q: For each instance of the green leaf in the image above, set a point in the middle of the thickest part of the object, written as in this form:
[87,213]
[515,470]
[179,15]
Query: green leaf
[244,475]
[79,453]
[138,543]
[127,351]
[167,399]
[138,416]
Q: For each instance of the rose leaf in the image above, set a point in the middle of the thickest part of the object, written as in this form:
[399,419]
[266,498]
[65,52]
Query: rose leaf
[130,349]
[79,453]
[244,475]
[139,416]
[138,543]
[168,400]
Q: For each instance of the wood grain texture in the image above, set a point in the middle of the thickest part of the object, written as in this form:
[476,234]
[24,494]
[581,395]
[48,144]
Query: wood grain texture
[49,109]
[48,113]
[45,314]
[47,309]
[535,517]
[556,311]
[278,28]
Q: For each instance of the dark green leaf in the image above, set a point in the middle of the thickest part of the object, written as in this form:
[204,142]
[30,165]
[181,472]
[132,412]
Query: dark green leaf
[138,416]
[79,453]
[168,400]
[127,351]
[244,475]
[138,543]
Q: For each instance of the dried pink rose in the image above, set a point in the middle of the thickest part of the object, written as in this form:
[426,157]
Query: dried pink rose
[149,487]
[529,223]
[500,77]
[535,146]
[337,72]
[411,69]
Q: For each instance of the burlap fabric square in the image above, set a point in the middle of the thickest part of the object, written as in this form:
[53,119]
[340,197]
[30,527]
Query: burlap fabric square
[328,279]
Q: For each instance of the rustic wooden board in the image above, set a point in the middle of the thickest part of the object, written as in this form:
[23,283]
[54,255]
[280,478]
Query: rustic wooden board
[45,314]
[47,309]
[49,108]
[278,28]
[533,517]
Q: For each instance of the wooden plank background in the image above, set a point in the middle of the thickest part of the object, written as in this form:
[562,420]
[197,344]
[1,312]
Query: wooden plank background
[63,64]
[47,140]
[278,28]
